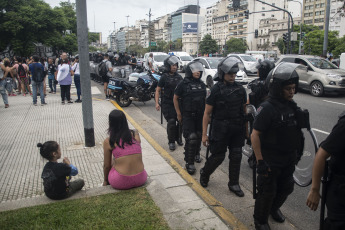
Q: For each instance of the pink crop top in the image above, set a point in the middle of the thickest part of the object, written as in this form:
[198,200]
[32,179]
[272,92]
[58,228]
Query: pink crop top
[127,150]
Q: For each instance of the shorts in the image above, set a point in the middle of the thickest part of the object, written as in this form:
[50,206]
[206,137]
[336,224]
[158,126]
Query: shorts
[122,182]
[105,79]
[24,80]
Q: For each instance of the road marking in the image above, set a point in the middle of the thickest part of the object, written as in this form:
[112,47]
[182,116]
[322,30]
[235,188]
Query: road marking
[213,203]
[338,103]
[320,131]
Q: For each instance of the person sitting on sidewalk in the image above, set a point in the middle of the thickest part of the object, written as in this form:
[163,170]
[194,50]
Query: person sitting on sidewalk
[56,176]
[127,171]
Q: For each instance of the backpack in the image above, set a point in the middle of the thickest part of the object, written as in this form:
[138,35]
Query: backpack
[21,71]
[102,69]
[38,75]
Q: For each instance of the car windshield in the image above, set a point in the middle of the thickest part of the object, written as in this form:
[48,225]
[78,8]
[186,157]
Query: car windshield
[160,58]
[186,58]
[322,63]
[213,62]
[248,58]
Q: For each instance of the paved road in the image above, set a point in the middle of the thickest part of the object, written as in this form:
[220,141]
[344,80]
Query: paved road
[324,112]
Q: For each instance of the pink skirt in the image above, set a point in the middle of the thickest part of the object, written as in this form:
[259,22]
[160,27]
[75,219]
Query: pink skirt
[122,182]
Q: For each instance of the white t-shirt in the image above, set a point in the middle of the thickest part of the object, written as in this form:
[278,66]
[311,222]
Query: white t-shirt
[75,68]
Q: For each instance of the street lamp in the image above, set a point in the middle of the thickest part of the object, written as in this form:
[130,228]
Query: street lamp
[300,27]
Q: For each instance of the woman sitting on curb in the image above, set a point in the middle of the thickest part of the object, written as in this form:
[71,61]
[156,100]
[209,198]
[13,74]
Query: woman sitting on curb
[127,169]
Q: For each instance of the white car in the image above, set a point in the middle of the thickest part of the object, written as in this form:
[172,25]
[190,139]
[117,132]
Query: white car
[248,61]
[158,59]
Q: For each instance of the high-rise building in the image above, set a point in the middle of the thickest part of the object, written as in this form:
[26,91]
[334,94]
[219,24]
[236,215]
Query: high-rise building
[314,13]
[337,17]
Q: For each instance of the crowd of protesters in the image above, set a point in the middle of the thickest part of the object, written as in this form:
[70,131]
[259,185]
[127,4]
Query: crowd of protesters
[22,76]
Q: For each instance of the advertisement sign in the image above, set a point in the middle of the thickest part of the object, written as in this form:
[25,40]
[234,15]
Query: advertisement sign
[190,27]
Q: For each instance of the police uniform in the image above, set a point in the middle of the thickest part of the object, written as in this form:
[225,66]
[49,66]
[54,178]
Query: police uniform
[168,83]
[192,93]
[335,200]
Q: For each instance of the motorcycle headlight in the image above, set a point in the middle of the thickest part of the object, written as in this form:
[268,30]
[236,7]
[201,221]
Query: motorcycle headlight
[334,76]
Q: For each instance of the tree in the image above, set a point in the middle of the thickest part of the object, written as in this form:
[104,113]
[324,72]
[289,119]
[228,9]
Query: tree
[136,49]
[313,42]
[281,45]
[306,29]
[236,45]
[208,45]
[178,44]
[340,47]
[161,45]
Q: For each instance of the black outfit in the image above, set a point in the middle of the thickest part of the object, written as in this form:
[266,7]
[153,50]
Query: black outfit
[168,83]
[134,63]
[280,140]
[335,200]
[227,130]
[65,92]
[56,181]
[52,82]
[192,93]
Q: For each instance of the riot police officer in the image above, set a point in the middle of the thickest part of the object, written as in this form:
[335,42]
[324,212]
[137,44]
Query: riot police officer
[334,147]
[276,139]
[169,80]
[226,104]
[191,93]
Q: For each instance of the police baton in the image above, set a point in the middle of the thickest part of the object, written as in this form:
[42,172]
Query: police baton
[324,181]
[209,137]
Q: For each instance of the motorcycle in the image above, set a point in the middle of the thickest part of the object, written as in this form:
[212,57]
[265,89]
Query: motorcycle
[125,91]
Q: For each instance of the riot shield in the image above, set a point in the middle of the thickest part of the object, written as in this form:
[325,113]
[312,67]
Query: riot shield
[303,171]
[250,115]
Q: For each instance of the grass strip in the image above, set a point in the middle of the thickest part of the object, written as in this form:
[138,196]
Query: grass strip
[130,209]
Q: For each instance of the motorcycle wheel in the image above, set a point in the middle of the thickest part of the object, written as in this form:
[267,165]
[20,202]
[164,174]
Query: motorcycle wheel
[123,99]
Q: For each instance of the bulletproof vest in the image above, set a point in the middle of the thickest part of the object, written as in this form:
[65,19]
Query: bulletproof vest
[194,99]
[284,133]
[336,163]
[229,106]
[171,82]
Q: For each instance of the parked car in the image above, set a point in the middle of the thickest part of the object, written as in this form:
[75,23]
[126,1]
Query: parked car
[321,76]
[248,61]
[210,64]
[158,58]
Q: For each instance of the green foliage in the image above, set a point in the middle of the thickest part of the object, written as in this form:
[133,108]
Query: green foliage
[236,45]
[93,37]
[178,44]
[340,47]
[208,45]
[136,49]
[281,45]
[313,42]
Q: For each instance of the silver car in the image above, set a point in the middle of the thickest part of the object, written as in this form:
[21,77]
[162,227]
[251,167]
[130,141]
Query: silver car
[321,77]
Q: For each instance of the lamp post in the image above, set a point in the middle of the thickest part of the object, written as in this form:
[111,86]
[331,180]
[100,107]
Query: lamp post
[300,27]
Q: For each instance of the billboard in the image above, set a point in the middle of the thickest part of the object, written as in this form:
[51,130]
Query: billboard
[190,27]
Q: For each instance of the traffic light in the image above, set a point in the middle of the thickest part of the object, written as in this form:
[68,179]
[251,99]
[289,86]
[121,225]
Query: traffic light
[246,14]
[286,38]
[256,33]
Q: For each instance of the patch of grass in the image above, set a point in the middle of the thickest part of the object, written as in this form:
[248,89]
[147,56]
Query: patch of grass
[131,209]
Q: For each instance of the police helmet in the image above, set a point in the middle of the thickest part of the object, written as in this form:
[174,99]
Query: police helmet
[283,74]
[116,56]
[228,65]
[264,67]
[169,61]
[192,67]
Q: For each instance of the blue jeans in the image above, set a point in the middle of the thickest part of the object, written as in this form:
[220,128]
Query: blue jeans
[52,85]
[77,84]
[3,91]
[38,85]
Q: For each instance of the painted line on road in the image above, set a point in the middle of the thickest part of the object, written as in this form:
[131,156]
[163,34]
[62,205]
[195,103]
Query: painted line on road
[213,203]
[338,103]
[320,131]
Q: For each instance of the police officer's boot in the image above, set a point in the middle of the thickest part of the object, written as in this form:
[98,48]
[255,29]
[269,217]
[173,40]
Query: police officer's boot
[259,226]
[179,134]
[171,131]
[281,196]
[190,149]
[234,171]
[204,178]
[198,159]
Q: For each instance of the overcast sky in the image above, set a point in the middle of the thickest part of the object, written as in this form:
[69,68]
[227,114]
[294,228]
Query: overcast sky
[102,14]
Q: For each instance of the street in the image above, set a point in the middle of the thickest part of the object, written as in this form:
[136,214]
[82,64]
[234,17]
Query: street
[324,113]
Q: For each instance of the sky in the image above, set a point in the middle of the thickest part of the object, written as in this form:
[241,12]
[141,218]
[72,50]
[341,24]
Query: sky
[101,14]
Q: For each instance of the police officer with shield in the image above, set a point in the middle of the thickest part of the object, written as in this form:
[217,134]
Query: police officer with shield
[168,82]
[277,141]
[190,95]
[226,104]
[334,147]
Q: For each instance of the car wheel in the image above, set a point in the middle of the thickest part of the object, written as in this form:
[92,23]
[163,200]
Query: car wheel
[316,89]
[209,81]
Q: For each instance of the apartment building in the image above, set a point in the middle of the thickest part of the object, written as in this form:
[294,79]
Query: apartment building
[337,17]
[314,12]
[206,27]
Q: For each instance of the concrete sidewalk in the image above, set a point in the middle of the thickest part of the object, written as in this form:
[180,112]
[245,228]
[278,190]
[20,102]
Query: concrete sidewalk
[23,125]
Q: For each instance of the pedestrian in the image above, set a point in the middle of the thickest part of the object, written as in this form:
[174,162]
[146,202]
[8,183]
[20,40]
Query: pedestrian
[64,77]
[334,147]
[51,76]
[57,176]
[45,65]
[277,141]
[149,63]
[168,82]
[37,72]
[226,104]
[22,70]
[189,102]
[3,74]
[126,171]
[76,76]
[9,78]
[133,62]
[105,71]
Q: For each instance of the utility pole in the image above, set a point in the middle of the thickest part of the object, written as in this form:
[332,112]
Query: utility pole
[149,28]
[114,26]
[83,49]
[128,31]
[325,36]
[197,30]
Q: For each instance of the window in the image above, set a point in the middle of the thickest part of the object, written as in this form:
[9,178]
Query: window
[292,60]
[263,15]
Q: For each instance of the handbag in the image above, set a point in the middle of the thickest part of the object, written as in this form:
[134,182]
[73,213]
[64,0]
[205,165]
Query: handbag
[56,82]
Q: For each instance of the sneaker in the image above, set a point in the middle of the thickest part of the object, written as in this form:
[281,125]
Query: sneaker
[35,104]
[70,102]
[24,94]
[50,91]
[107,98]
[30,94]
[6,106]
[54,92]
[78,101]
[42,104]
[62,102]
[13,94]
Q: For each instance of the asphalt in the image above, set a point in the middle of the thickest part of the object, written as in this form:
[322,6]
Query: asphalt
[183,202]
